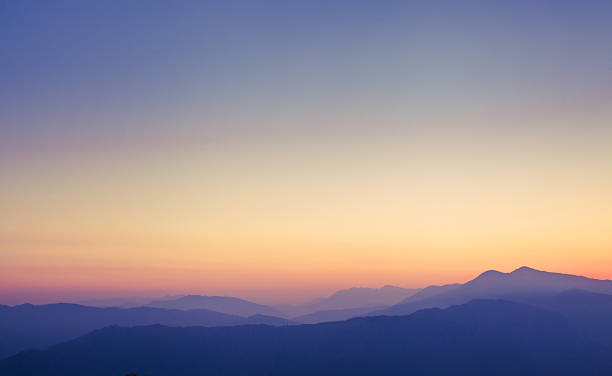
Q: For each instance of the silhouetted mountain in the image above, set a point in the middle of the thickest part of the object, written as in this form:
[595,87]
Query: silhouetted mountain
[522,284]
[575,303]
[223,304]
[29,326]
[479,338]
[333,315]
[592,312]
[355,297]
[526,280]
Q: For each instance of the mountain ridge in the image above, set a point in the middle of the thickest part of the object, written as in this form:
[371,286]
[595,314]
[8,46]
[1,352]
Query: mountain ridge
[31,326]
[223,304]
[482,337]
[516,285]
[350,298]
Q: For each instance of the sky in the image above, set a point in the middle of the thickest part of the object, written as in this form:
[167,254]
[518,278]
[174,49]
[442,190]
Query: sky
[280,150]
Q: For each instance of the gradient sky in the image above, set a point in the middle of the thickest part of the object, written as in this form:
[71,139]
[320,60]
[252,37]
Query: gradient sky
[281,150]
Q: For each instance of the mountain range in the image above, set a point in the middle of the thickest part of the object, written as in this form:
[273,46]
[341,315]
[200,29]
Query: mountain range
[585,303]
[38,326]
[522,285]
[223,304]
[340,305]
[358,298]
[482,337]
[131,302]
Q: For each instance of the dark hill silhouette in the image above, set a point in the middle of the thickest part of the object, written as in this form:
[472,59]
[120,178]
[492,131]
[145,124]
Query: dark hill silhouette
[522,284]
[32,326]
[484,337]
[223,304]
[574,303]
[592,312]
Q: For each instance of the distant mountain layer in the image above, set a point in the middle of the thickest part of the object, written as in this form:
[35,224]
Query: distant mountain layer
[430,291]
[523,284]
[483,337]
[333,315]
[355,297]
[29,326]
[136,301]
[223,304]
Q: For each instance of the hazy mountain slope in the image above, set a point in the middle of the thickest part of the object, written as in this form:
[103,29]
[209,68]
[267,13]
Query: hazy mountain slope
[224,304]
[355,297]
[333,315]
[518,285]
[430,291]
[363,296]
[30,326]
[115,302]
[479,338]
[131,302]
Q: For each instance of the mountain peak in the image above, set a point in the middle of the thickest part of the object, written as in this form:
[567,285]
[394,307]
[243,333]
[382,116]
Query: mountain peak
[490,273]
[525,269]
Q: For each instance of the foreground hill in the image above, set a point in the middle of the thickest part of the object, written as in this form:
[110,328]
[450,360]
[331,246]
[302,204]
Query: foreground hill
[223,304]
[30,326]
[485,337]
[591,312]
[523,284]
